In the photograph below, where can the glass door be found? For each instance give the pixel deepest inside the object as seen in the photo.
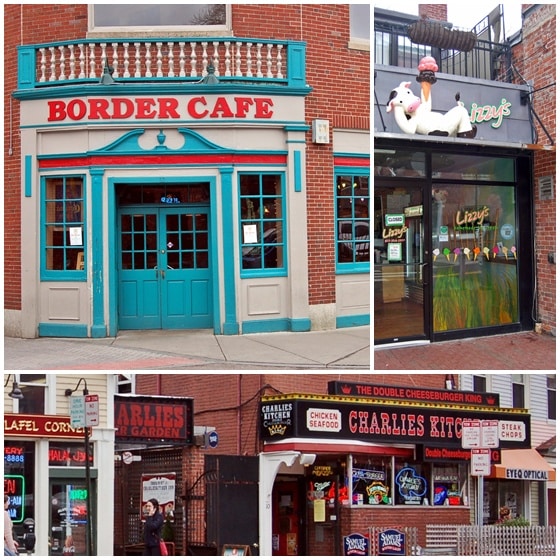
(400, 270)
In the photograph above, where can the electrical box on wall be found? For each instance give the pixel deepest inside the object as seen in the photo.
(320, 131)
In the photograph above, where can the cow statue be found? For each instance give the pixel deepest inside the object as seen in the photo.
(414, 115)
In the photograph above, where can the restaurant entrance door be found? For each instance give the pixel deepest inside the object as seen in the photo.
(401, 265)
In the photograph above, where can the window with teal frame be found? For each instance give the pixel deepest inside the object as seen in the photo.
(262, 233)
(352, 220)
(63, 228)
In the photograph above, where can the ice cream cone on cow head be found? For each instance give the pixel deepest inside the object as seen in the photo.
(426, 77)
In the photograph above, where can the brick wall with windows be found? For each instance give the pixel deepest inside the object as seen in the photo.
(535, 59)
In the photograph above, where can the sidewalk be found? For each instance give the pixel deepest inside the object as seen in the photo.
(138, 350)
(518, 351)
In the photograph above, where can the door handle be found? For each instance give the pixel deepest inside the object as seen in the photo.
(422, 274)
(162, 274)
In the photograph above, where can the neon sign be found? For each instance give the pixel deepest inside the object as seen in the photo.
(485, 113)
(411, 486)
(14, 486)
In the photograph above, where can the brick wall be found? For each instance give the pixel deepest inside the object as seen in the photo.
(433, 11)
(535, 59)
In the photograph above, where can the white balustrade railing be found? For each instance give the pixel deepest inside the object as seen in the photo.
(161, 60)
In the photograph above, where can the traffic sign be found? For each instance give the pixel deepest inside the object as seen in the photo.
(480, 462)
(77, 411)
(471, 434)
(490, 436)
(92, 410)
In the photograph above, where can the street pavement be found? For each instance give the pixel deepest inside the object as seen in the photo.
(518, 351)
(347, 348)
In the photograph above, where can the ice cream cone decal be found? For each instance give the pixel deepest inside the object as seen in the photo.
(505, 252)
(495, 250)
(436, 253)
(467, 252)
(514, 251)
(446, 252)
(486, 251)
(476, 251)
(457, 252)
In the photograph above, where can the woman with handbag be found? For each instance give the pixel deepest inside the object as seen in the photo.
(152, 529)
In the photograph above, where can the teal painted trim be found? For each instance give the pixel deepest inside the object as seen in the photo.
(62, 330)
(353, 268)
(358, 155)
(296, 65)
(28, 189)
(352, 321)
(178, 122)
(26, 67)
(266, 325)
(151, 89)
(300, 325)
(98, 328)
(214, 257)
(297, 128)
(112, 255)
(297, 171)
(61, 275)
(230, 326)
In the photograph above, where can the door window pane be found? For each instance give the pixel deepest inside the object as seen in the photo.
(474, 256)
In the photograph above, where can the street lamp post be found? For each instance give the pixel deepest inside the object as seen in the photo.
(89, 539)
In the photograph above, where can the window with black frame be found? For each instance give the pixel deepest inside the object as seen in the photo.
(352, 220)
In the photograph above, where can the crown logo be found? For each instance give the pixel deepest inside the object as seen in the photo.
(346, 389)
(490, 400)
(276, 429)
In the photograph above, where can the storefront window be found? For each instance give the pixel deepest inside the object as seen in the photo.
(262, 223)
(399, 163)
(449, 484)
(352, 213)
(474, 246)
(502, 493)
(19, 484)
(411, 484)
(371, 482)
(64, 228)
(33, 387)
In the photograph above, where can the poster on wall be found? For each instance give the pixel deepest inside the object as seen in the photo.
(162, 488)
(394, 252)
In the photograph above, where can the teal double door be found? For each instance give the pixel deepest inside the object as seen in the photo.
(164, 268)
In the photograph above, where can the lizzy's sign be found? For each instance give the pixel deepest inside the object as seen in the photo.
(154, 418)
(159, 108)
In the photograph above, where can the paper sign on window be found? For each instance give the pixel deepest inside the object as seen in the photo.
(250, 233)
(75, 236)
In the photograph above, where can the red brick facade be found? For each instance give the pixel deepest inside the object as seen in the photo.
(433, 11)
(535, 60)
(338, 75)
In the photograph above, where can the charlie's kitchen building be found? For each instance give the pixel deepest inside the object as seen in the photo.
(454, 208)
(174, 182)
(383, 456)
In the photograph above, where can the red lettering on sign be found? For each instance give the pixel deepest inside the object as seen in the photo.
(263, 108)
(168, 108)
(98, 109)
(222, 107)
(122, 108)
(192, 107)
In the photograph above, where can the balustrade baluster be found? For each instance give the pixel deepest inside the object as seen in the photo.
(170, 73)
(238, 59)
(182, 59)
(227, 59)
(82, 57)
(279, 62)
(115, 63)
(216, 58)
(43, 78)
(52, 77)
(159, 72)
(148, 60)
(204, 59)
(249, 73)
(126, 62)
(62, 64)
(259, 60)
(104, 59)
(193, 60)
(92, 60)
(72, 62)
(137, 63)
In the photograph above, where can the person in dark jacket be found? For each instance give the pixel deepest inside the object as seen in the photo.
(152, 528)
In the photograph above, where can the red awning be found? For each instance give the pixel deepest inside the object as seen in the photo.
(523, 464)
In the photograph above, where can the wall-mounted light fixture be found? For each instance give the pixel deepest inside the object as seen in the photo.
(450, 382)
(68, 392)
(15, 393)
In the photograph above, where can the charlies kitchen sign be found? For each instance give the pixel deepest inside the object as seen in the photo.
(313, 416)
(160, 108)
(162, 419)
